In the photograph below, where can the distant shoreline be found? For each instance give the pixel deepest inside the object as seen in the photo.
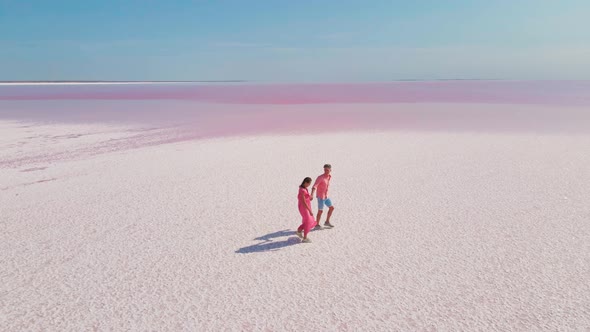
(108, 82)
(234, 81)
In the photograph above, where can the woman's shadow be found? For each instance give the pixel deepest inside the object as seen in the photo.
(268, 243)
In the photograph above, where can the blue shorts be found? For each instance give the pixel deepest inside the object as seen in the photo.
(321, 202)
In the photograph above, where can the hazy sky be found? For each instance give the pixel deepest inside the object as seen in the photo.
(294, 40)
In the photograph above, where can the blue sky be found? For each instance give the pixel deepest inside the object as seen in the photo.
(302, 41)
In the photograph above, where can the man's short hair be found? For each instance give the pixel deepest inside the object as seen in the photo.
(328, 166)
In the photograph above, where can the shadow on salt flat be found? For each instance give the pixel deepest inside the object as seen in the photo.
(270, 236)
(268, 244)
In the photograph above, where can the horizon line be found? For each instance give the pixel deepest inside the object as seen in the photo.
(97, 82)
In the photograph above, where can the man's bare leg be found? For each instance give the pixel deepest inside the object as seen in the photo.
(330, 210)
(317, 219)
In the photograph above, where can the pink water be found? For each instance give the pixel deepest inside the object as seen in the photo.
(199, 110)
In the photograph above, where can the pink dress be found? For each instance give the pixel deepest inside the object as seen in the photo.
(308, 221)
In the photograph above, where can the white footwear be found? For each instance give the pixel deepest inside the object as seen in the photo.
(306, 240)
(299, 234)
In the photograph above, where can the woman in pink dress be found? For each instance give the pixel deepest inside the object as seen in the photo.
(304, 204)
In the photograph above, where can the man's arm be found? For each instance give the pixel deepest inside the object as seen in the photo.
(315, 185)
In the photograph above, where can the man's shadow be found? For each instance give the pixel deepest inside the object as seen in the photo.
(268, 243)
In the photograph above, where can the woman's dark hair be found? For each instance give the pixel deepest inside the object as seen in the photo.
(306, 180)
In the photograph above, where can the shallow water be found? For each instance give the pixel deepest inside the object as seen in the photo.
(210, 110)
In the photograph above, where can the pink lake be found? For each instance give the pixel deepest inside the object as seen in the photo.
(197, 110)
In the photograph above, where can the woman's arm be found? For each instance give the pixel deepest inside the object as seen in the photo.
(301, 198)
(308, 207)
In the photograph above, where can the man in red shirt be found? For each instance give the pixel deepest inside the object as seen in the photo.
(322, 184)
